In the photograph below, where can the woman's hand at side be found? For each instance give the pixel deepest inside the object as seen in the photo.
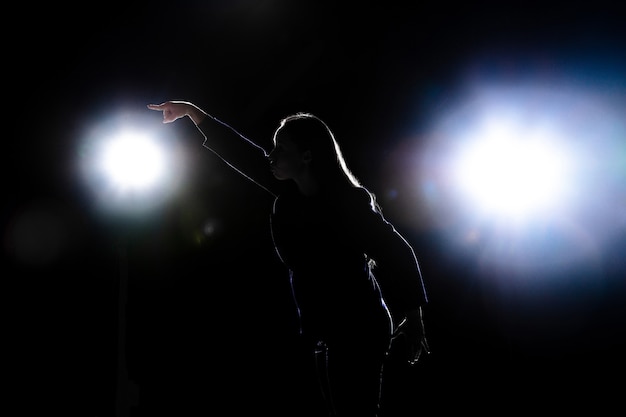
(412, 328)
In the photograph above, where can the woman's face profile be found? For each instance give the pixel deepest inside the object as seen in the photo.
(286, 160)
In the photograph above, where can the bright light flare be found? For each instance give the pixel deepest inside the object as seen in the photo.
(510, 171)
(531, 177)
(127, 166)
(133, 161)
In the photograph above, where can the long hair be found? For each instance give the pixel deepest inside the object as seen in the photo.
(309, 132)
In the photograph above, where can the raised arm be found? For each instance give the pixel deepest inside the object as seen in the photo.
(236, 150)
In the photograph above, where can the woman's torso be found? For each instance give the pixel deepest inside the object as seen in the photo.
(316, 238)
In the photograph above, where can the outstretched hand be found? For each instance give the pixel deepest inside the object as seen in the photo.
(171, 110)
(174, 110)
(412, 328)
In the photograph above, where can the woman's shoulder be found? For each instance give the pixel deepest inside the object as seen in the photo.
(351, 195)
(357, 194)
(355, 197)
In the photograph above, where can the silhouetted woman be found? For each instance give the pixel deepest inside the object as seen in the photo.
(334, 241)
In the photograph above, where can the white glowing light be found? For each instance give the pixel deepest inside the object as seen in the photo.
(129, 168)
(528, 175)
(133, 161)
(510, 170)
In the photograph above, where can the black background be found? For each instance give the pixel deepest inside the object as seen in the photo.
(210, 324)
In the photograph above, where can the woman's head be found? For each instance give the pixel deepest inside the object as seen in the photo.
(304, 142)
